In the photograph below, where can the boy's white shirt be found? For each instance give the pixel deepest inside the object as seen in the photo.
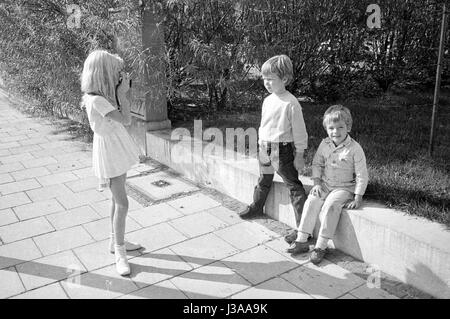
(282, 121)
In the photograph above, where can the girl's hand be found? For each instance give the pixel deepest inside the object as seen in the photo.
(356, 203)
(316, 191)
(124, 85)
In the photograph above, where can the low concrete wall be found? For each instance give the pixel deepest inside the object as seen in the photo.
(412, 249)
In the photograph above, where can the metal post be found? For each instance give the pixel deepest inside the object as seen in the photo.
(438, 78)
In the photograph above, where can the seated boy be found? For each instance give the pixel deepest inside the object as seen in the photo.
(340, 180)
(282, 137)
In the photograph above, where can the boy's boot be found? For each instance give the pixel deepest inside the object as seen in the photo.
(259, 197)
(129, 246)
(122, 265)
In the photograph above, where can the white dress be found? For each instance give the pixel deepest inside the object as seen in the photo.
(114, 151)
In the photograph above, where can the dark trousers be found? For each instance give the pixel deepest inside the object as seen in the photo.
(278, 157)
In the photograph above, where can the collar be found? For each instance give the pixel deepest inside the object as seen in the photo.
(345, 143)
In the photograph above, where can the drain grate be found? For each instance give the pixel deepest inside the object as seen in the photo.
(161, 183)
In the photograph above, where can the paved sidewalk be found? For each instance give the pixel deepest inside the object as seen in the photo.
(54, 229)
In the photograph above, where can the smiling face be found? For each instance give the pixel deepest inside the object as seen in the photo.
(337, 131)
(274, 84)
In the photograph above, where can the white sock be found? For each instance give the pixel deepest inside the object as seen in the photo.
(322, 242)
(302, 237)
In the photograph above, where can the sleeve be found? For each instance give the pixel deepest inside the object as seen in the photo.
(361, 173)
(318, 163)
(102, 106)
(298, 128)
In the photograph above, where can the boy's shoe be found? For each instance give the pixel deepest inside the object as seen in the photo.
(298, 248)
(250, 212)
(291, 237)
(317, 255)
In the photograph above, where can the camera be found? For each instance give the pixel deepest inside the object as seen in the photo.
(120, 82)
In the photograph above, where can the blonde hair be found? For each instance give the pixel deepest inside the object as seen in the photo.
(336, 113)
(101, 74)
(280, 65)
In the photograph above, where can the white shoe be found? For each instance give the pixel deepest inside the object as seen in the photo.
(129, 246)
(122, 265)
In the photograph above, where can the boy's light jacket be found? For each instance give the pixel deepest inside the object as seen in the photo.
(343, 166)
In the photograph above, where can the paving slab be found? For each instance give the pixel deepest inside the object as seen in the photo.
(246, 235)
(17, 187)
(84, 172)
(81, 199)
(43, 271)
(6, 178)
(5, 152)
(204, 250)
(53, 291)
(13, 138)
(194, 203)
(211, 281)
(39, 162)
(25, 149)
(366, 292)
(160, 290)
(12, 167)
(38, 209)
(155, 214)
(347, 296)
(58, 178)
(7, 217)
(83, 184)
(157, 266)
(259, 264)
(225, 214)
(18, 252)
(25, 229)
(30, 173)
(11, 284)
(97, 255)
(101, 229)
(73, 217)
(34, 139)
(198, 224)
(173, 185)
(67, 166)
(9, 145)
(324, 281)
(276, 288)
(63, 240)
(104, 283)
(156, 237)
(48, 192)
(16, 158)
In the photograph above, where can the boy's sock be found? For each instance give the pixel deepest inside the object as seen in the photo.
(302, 237)
(322, 243)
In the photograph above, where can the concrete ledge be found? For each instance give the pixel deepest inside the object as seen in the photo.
(414, 250)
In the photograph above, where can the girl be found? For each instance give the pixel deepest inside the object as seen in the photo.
(105, 86)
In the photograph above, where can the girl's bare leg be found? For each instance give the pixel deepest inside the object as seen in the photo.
(121, 208)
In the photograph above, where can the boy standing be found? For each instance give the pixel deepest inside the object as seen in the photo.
(282, 137)
(340, 180)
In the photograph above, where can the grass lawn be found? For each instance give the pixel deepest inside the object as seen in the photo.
(394, 133)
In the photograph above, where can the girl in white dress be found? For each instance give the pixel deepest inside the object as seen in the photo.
(105, 86)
